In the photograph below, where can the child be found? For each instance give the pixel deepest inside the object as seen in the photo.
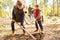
(30, 13)
(17, 15)
(38, 18)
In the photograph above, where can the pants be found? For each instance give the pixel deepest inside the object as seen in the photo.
(12, 25)
(31, 16)
(40, 24)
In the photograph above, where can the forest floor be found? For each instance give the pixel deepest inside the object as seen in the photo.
(51, 30)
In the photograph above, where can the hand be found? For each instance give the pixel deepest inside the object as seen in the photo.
(25, 11)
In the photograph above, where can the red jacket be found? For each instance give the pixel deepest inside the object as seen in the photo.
(36, 12)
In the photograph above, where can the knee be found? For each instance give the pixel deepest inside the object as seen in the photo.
(12, 23)
(22, 24)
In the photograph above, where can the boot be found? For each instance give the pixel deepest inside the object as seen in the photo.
(13, 33)
(23, 32)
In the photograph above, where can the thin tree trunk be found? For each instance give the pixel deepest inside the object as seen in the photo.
(53, 6)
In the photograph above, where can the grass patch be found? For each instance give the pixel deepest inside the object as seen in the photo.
(1, 26)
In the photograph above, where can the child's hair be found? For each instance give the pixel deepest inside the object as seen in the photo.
(37, 6)
(19, 3)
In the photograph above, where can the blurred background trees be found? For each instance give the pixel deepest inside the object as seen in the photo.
(48, 7)
(5, 7)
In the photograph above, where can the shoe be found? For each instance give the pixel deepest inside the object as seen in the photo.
(42, 32)
(27, 23)
(12, 34)
(23, 32)
(36, 30)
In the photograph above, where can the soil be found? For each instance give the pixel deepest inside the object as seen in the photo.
(24, 37)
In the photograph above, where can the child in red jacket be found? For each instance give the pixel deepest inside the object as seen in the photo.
(38, 18)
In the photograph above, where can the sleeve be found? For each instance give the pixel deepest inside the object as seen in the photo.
(42, 19)
(13, 15)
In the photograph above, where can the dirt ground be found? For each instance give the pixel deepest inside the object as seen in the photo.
(51, 32)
